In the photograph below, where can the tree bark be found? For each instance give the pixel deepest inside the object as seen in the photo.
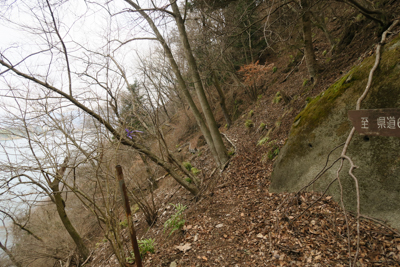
(60, 204)
(308, 45)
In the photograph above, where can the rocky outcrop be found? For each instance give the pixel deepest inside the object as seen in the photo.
(323, 125)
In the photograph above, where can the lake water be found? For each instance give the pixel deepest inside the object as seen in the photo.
(16, 155)
(11, 151)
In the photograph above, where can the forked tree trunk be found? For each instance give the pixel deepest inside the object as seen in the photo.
(60, 204)
(222, 100)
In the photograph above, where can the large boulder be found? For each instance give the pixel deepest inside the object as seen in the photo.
(323, 125)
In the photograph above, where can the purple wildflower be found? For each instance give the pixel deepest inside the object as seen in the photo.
(130, 133)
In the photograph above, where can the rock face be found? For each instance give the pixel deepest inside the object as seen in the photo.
(324, 125)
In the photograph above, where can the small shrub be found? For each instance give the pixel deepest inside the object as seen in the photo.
(231, 152)
(195, 171)
(176, 221)
(124, 223)
(187, 165)
(324, 53)
(255, 77)
(277, 98)
(305, 82)
(263, 141)
(187, 179)
(251, 113)
(262, 126)
(273, 152)
(274, 69)
(249, 124)
(236, 113)
(145, 246)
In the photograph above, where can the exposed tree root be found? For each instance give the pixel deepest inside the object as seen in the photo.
(343, 157)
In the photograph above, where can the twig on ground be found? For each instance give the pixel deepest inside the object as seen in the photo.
(380, 223)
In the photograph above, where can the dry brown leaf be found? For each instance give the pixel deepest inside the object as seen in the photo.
(184, 248)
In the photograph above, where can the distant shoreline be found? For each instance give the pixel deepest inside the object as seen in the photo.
(8, 138)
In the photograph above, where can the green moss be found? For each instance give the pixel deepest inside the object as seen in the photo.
(355, 80)
(274, 69)
(251, 113)
(321, 105)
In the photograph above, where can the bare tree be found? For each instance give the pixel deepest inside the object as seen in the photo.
(209, 130)
(97, 72)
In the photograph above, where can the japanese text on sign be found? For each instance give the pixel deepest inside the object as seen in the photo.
(384, 122)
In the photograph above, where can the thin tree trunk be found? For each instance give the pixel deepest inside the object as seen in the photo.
(222, 100)
(152, 180)
(10, 255)
(82, 249)
(320, 23)
(212, 124)
(182, 85)
(308, 45)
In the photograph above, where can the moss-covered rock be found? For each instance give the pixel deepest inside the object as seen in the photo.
(323, 125)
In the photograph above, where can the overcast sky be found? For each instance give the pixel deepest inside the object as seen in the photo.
(83, 27)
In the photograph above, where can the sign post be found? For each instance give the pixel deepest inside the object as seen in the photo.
(381, 122)
(127, 207)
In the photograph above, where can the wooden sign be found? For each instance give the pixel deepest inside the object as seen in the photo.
(383, 122)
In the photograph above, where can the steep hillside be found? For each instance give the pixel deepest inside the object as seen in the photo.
(238, 221)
